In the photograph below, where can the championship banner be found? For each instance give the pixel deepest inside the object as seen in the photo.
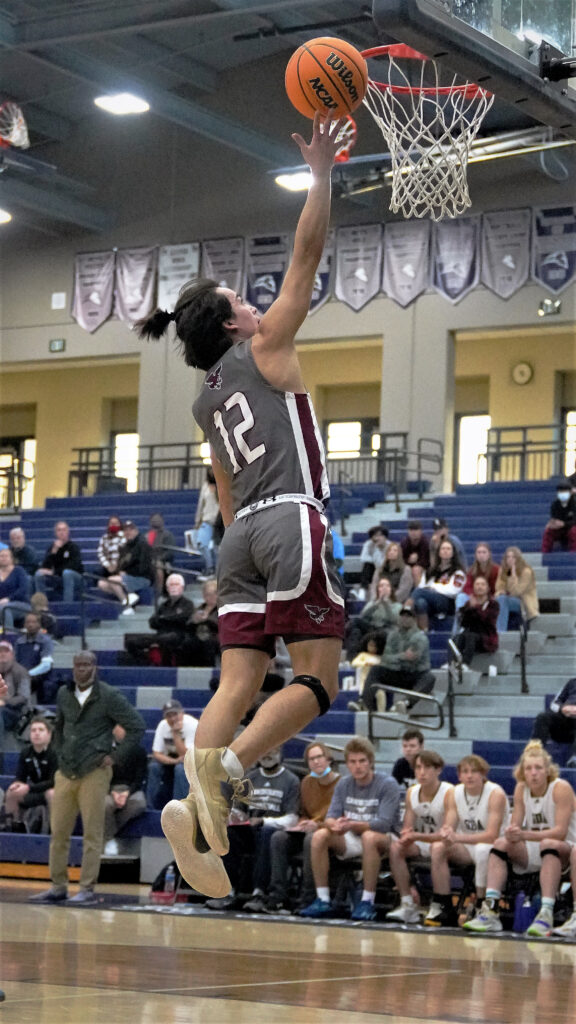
(455, 249)
(135, 283)
(554, 247)
(358, 264)
(177, 264)
(267, 259)
(321, 290)
(406, 260)
(93, 288)
(506, 250)
(223, 261)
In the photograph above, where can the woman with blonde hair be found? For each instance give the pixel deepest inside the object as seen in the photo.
(515, 589)
(396, 571)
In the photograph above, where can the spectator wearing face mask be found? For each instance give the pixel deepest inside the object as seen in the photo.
(561, 527)
(109, 548)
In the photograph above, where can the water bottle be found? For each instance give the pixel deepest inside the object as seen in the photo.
(170, 880)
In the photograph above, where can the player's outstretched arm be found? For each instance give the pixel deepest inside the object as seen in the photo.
(280, 324)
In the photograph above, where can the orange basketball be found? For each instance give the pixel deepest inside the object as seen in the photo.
(328, 75)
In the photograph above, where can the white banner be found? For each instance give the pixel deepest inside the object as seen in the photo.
(321, 290)
(358, 264)
(267, 260)
(223, 261)
(93, 288)
(406, 260)
(135, 283)
(455, 245)
(554, 247)
(506, 250)
(177, 265)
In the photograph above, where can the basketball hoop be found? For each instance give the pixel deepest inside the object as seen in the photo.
(13, 130)
(429, 129)
(346, 138)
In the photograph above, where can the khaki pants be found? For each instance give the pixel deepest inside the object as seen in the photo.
(87, 796)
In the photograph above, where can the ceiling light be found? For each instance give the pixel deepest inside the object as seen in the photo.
(550, 307)
(5, 217)
(122, 103)
(297, 181)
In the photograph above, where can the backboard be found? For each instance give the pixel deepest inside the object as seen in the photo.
(521, 50)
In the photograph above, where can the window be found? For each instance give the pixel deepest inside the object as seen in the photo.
(570, 451)
(346, 439)
(126, 458)
(472, 443)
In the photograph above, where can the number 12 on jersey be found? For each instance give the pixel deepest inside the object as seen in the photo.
(243, 450)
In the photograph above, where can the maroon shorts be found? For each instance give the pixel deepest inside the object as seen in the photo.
(277, 577)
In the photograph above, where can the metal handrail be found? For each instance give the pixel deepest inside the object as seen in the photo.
(397, 691)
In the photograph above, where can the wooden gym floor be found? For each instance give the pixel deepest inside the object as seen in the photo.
(66, 966)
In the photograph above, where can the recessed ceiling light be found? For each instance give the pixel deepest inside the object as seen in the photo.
(122, 103)
(5, 217)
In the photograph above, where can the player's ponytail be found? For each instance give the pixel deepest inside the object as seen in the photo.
(154, 326)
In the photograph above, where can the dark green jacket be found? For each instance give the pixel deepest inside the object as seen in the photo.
(83, 734)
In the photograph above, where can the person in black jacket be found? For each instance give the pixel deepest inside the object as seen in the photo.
(558, 723)
(62, 569)
(561, 527)
(126, 799)
(34, 782)
(88, 711)
(171, 622)
(135, 569)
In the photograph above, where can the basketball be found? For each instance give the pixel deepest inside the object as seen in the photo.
(328, 75)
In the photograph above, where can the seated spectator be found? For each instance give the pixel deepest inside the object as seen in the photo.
(394, 570)
(24, 554)
(515, 589)
(561, 526)
(338, 550)
(372, 555)
(443, 532)
(33, 787)
(109, 547)
(162, 542)
(478, 634)
(403, 769)
(416, 551)
(173, 737)
(405, 663)
(363, 813)
(558, 723)
(61, 572)
(135, 569)
(170, 621)
(200, 646)
(477, 814)
(376, 617)
(427, 804)
(14, 591)
(274, 804)
(48, 621)
(568, 929)
(207, 512)
(316, 791)
(126, 799)
(16, 698)
(540, 836)
(442, 584)
(34, 649)
(372, 649)
(481, 566)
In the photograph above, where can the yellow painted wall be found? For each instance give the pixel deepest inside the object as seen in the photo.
(72, 411)
(471, 395)
(343, 376)
(550, 354)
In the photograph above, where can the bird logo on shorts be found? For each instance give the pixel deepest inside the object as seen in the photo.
(214, 379)
(316, 614)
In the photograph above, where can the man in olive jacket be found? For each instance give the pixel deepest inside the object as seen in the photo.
(87, 711)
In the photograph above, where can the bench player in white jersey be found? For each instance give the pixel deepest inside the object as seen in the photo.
(276, 573)
(540, 837)
(427, 804)
(478, 813)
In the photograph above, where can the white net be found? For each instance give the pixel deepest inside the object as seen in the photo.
(428, 128)
(13, 126)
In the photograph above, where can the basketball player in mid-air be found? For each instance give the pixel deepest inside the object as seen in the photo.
(276, 573)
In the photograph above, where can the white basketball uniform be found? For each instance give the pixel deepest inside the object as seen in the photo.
(473, 817)
(428, 815)
(540, 814)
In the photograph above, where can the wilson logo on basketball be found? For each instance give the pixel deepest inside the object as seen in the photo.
(345, 74)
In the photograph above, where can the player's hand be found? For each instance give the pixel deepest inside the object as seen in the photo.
(320, 152)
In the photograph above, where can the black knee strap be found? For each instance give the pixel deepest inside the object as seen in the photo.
(501, 854)
(314, 684)
(550, 853)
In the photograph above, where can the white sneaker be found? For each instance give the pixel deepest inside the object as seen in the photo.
(399, 708)
(406, 913)
(568, 929)
(485, 920)
(127, 611)
(542, 924)
(132, 599)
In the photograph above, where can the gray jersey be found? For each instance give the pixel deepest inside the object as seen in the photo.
(267, 440)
